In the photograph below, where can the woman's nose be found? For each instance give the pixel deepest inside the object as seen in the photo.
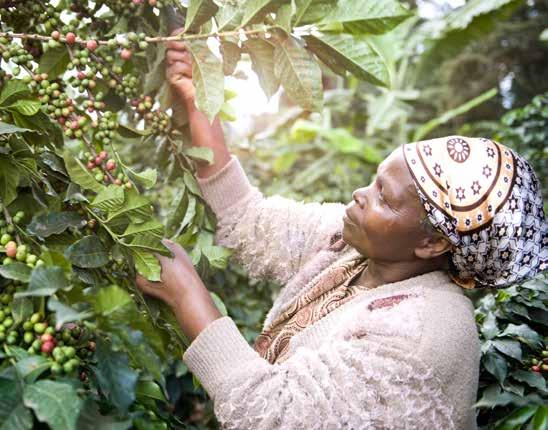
(359, 197)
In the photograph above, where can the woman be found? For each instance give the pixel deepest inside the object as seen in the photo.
(383, 341)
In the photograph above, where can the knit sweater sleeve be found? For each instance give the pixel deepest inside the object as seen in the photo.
(272, 237)
(354, 382)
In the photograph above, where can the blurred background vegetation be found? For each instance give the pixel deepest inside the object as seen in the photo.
(476, 68)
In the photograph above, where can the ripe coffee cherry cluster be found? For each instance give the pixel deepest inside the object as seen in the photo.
(16, 54)
(99, 166)
(540, 364)
(142, 105)
(12, 251)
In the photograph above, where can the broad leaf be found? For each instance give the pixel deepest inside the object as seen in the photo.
(151, 390)
(510, 348)
(262, 61)
(25, 107)
(31, 368)
(147, 264)
(9, 179)
(45, 225)
(533, 379)
(21, 309)
(45, 281)
(255, 10)
(117, 380)
(312, 11)
(10, 128)
(153, 227)
(146, 178)
(54, 62)
(13, 413)
(91, 419)
(80, 175)
(524, 334)
(351, 53)
(299, 74)
(231, 55)
(367, 16)
(136, 207)
(495, 365)
(229, 17)
(88, 252)
(54, 403)
(112, 301)
(199, 153)
(216, 255)
(11, 90)
(208, 78)
(16, 271)
(65, 314)
(199, 11)
(109, 199)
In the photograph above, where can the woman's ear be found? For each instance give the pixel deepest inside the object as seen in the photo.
(431, 247)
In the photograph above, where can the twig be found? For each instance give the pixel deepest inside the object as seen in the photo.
(157, 39)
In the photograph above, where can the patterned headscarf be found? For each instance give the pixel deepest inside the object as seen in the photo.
(486, 200)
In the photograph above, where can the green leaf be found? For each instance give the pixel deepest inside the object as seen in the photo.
(217, 255)
(199, 153)
(153, 227)
(12, 89)
(262, 62)
(540, 420)
(533, 379)
(367, 16)
(65, 314)
(9, 179)
(219, 303)
(147, 264)
(13, 413)
(495, 365)
(147, 178)
(511, 348)
(31, 368)
(54, 62)
(45, 281)
(25, 107)
(516, 419)
(10, 128)
(198, 12)
(54, 403)
(524, 334)
(136, 207)
(80, 175)
(285, 15)
(112, 300)
(16, 271)
(228, 17)
(255, 10)
(91, 419)
(231, 55)
(299, 74)
(21, 309)
(116, 379)
(312, 11)
(191, 183)
(208, 78)
(150, 389)
(492, 396)
(45, 225)
(109, 199)
(351, 53)
(125, 130)
(88, 252)
(489, 327)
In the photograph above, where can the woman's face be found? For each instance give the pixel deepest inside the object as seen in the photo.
(383, 221)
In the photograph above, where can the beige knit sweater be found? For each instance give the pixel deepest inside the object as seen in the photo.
(374, 362)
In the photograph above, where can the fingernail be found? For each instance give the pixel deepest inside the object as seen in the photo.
(168, 241)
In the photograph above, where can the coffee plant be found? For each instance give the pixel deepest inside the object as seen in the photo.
(90, 139)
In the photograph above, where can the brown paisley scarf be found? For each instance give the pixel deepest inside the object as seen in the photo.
(328, 293)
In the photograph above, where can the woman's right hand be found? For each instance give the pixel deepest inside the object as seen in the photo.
(179, 70)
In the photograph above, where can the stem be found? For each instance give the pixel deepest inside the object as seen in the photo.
(157, 39)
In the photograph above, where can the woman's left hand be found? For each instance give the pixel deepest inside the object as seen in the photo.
(182, 289)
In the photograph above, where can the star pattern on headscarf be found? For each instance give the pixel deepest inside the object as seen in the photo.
(476, 187)
(460, 193)
(487, 171)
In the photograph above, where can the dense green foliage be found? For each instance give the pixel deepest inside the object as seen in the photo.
(96, 167)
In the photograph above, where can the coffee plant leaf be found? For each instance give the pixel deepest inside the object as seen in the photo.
(262, 62)
(208, 78)
(345, 52)
(9, 180)
(511, 348)
(229, 16)
(109, 199)
(64, 314)
(112, 301)
(231, 55)
(31, 368)
(150, 389)
(117, 380)
(533, 379)
(216, 255)
(25, 107)
(44, 225)
(191, 183)
(21, 309)
(255, 10)
(152, 227)
(49, 400)
(16, 271)
(87, 252)
(13, 413)
(198, 12)
(11, 129)
(299, 74)
(200, 154)
(45, 281)
(496, 365)
(80, 175)
(147, 178)
(136, 206)
(367, 16)
(311, 11)
(146, 264)
(91, 418)
(523, 333)
(12, 90)
(54, 62)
